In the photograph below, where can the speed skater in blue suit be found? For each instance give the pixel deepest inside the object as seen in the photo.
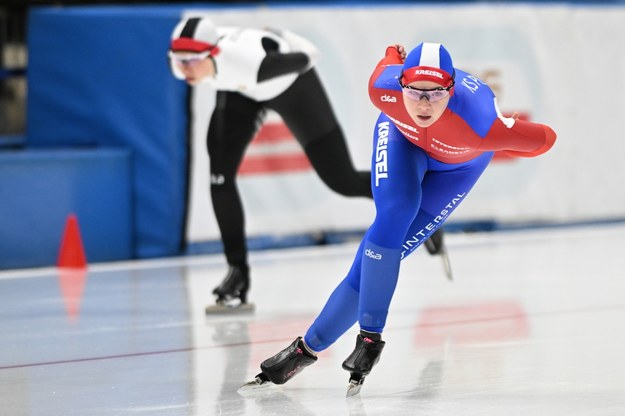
(437, 131)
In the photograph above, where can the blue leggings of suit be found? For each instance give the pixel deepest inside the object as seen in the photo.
(414, 194)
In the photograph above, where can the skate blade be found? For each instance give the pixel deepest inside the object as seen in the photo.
(220, 309)
(254, 387)
(447, 265)
(353, 388)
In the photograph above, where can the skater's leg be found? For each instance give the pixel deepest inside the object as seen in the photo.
(339, 313)
(307, 111)
(232, 127)
(342, 308)
(330, 158)
(444, 188)
(337, 316)
(398, 195)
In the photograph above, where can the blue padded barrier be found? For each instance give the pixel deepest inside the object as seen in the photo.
(40, 188)
(100, 76)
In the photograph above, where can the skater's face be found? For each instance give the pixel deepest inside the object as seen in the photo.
(194, 66)
(425, 101)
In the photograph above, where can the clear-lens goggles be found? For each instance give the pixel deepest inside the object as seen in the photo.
(432, 95)
(188, 58)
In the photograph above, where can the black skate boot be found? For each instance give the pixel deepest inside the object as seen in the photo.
(287, 363)
(366, 354)
(234, 286)
(281, 367)
(435, 245)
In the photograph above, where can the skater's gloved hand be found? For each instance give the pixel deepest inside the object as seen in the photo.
(396, 53)
(401, 50)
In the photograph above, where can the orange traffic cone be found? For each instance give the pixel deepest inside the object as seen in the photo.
(72, 253)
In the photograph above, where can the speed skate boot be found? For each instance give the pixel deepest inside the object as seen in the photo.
(234, 287)
(281, 367)
(287, 363)
(435, 244)
(366, 354)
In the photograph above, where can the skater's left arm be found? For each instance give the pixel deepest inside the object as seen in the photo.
(518, 137)
(394, 55)
(521, 138)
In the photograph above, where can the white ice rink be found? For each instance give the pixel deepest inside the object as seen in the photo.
(533, 325)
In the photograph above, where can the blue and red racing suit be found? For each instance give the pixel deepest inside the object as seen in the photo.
(419, 177)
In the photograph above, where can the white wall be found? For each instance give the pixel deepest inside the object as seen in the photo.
(561, 64)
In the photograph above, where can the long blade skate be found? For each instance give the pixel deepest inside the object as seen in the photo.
(259, 384)
(355, 384)
(435, 245)
(447, 264)
(229, 308)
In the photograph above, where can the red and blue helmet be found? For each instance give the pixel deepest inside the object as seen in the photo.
(428, 62)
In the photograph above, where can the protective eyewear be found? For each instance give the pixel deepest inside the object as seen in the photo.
(186, 58)
(432, 95)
